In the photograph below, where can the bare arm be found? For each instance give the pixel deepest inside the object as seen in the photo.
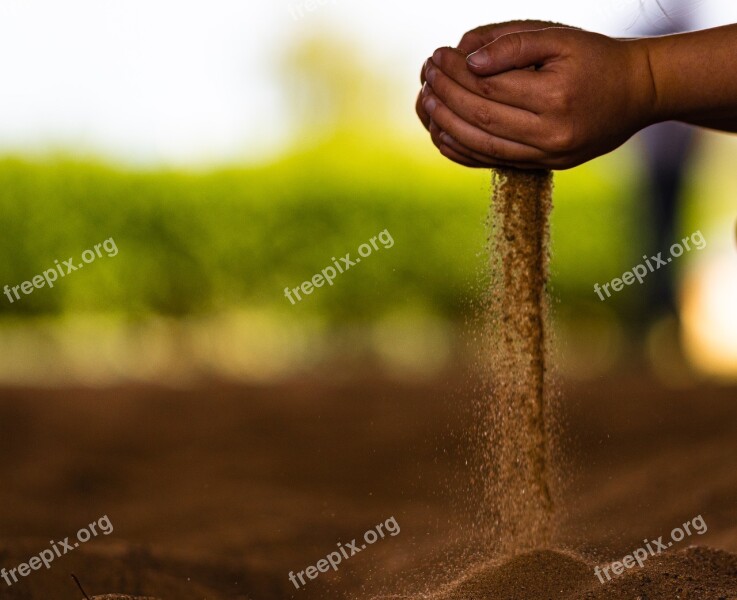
(695, 77)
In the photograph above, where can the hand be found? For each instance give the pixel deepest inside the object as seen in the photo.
(476, 39)
(585, 95)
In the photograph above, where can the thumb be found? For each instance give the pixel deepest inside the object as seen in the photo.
(515, 51)
(476, 38)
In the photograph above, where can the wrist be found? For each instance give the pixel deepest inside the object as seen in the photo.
(645, 84)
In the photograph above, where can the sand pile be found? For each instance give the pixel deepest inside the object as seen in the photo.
(514, 407)
(532, 576)
(695, 574)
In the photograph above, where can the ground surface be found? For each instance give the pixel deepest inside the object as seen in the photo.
(220, 492)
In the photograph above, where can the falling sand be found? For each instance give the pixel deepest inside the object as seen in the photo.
(515, 415)
(517, 513)
(518, 425)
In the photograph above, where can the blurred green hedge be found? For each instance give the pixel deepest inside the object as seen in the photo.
(199, 242)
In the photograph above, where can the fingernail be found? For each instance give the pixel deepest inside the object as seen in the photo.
(478, 59)
(437, 56)
(425, 89)
(430, 73)
(446, 139)
(430, 104)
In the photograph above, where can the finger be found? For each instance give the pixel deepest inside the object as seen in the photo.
(421, 112)
(479, 37)
(441, 138)
(451, 153)
(471, 158)
(516, 51)
(422, 71)
(492, 146)
(453, 144)
(514, 88)
(461, 160)
(493, 117)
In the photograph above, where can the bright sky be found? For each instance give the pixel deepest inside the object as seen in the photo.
(185, 81)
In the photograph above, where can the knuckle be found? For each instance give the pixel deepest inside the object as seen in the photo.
(513, 44)
(554, 97)
(560, 97)
(562, 139)
(487, 86)
(483, 116)
(491, 147)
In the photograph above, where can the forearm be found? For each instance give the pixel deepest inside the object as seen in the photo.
(695, 77)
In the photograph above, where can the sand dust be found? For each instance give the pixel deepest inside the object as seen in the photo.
(514, 407)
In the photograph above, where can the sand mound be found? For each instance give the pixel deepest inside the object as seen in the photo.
(530, 576)
(695, 573)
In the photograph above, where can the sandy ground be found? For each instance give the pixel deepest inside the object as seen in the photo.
(220, 492)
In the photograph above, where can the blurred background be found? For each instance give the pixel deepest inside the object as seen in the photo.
(232, 148)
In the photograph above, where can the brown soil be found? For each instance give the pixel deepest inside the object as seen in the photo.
(219, 492)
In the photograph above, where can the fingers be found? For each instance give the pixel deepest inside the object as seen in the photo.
(479, 37)
(462, 158)
(420, 109)
(443, 139)
(516, 51)
(489, 99)
(493, 147)
(513, 88)
(493, 117)
(459, 153)
(439, 139)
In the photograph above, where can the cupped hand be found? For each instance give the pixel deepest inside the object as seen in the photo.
(477, 38)
(551, 98)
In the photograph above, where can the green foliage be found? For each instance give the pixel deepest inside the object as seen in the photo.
(193, 243)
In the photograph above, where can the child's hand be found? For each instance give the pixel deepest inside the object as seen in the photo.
(585, 95)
